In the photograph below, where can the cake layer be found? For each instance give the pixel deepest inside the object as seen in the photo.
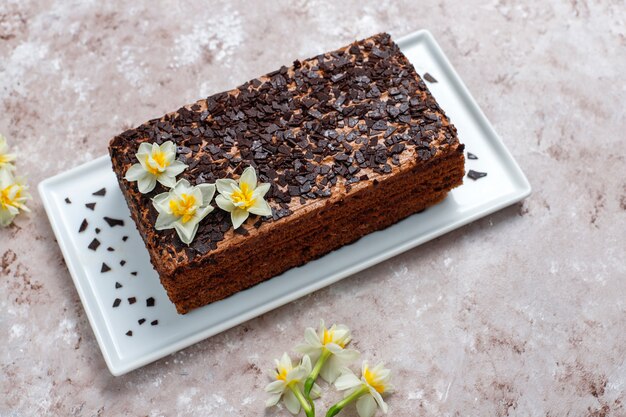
(336, 136)
(337, 223)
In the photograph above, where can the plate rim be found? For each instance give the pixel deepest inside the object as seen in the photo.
(118, 366)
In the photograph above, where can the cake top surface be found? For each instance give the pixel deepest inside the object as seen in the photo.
(321, 126)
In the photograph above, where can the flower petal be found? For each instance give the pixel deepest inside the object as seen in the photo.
(165, 221)
(291, 402)
(182, 187)
(135, 172)
(186, 232)
(208, 191)
(166, 180)
(346, 381)
(379, 400)
(366, 406)
(248, 177)
(273, 400)
(6, 217)
(260, 208)
(276, 387)
(161, 203)
(331, 369)
(175, 168)
(313, 352)
(238, 216)
(144, 150)
(311, 337)
(225, 186)
(146, 184)
(261, 190)
(224, 203)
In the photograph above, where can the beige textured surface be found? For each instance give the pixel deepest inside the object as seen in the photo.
(521, 313)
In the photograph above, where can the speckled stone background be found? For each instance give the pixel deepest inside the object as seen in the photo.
(522, 313)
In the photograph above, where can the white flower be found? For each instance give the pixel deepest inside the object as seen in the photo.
(243, 197)
(287, 380)
(183, 207)
(330, 343)
(6, 158)
(13, 197)
(373, 383)
(156, 163)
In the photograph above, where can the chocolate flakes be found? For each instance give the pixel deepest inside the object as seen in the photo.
(306, 130)
(118, 285)
(475, 175)
(113, 222)
(154, 322)
(67, 200)
(132, 300)
(429, 78)
(94, 245)
(129, 333)
(150, 302)
(101, 192)
(105, 268)
(116, 303)
(83, 226)
(471, 156)
(91, 206)
(141, 321)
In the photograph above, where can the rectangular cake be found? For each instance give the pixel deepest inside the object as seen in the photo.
(350, 142)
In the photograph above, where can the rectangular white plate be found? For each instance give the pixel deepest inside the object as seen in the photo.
(505, 184)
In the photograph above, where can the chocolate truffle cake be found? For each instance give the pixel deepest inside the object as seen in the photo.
(350, 142)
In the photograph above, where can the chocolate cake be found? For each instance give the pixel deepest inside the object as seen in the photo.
(351, 142)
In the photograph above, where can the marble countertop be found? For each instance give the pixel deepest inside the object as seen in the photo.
(521, 313)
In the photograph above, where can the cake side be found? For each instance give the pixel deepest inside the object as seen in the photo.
(320, 132)
(336, 223)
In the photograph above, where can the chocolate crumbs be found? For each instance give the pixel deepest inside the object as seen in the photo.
(101, 192)
(471, 156)
(150, 302)
(83, 226)
(113, 222)
(94, 245)
(118, 285)
(110, 249)
(475, 175)
(129, 333)
(91, 206)
(429, 78)
(67, 200)
(132, 300)
(105, 268)
(117, 302)
(154, 322)
(141, 321)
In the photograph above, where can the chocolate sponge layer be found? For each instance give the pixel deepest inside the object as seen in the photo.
(352, 141)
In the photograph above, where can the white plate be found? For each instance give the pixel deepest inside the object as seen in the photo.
(505, 184)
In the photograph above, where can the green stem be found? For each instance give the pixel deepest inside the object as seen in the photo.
(307, 405)
(335, 409)
(308, 384)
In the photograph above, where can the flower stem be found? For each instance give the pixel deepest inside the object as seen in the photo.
(308, 384)
(335, 409)
(306, 404)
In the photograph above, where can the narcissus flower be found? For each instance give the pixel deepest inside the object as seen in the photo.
(156, 163)
(240, 198)
(367, 391)
(183, 207)
(13, 197)
(327, 346)
(286, 383)
(6, 158)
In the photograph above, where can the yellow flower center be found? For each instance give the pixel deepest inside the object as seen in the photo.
(5, 197)
(281, 374)
(329, 337)
(185, 207)
(372, 380)
(3, 159)
(242, 197)
(160, 162)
